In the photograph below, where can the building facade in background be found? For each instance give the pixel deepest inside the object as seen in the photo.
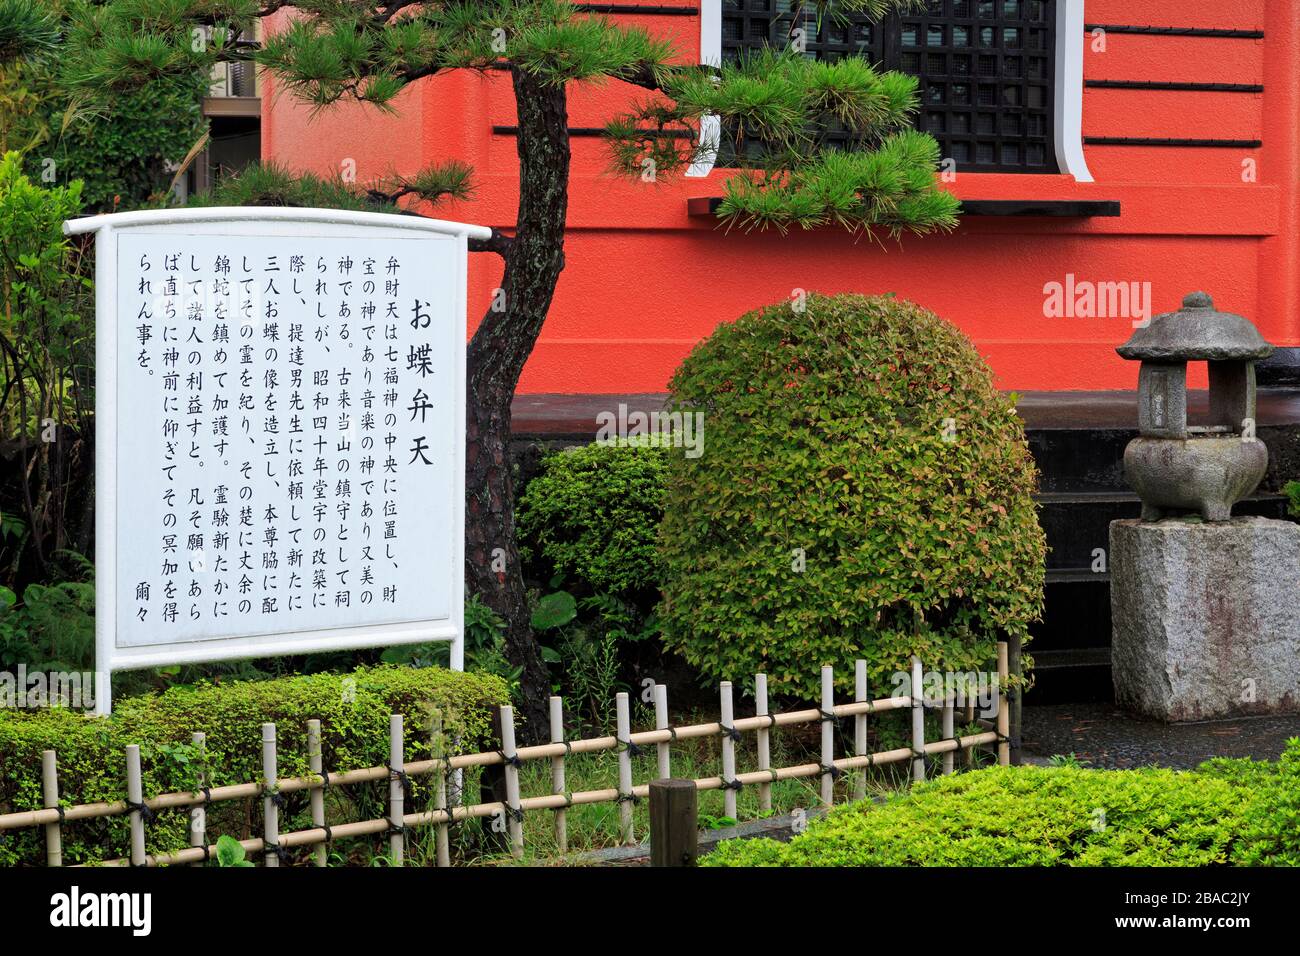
(1112, 156)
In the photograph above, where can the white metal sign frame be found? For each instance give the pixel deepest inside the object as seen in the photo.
(259, 222)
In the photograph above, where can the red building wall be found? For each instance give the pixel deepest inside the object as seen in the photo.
(645, 280)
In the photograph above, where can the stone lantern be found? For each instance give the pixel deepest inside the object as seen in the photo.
(1178, 467)
(1205, 614)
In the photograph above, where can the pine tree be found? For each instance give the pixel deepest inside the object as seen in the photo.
(777, 104)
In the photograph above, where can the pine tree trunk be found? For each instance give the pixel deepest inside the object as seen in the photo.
(497, 354)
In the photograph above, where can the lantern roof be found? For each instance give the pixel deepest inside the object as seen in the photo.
(1197, 332)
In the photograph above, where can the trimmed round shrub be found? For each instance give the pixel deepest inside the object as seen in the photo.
(863, 492)
(593, 514)
(1045, 816)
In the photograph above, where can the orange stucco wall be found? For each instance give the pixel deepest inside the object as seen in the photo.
(645, 281)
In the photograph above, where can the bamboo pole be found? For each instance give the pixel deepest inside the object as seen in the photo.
(440, 749)
(918, 723)
(623, 725)
(396, 790)
(828, 735)
(860, 726)
(242, 791)
(270, 809)
(664, 748)
(763, 741)
(199, 814)
(50, 791)
(1004, 746)
(557, 774)
(316, 763)
(947, 730)
(514, 812)
(135, 797)
(970, 719)
(728, 716)
(551, 801)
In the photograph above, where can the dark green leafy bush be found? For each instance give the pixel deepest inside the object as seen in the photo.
(593, 513)
(353, 710)
(864, 491)
(1241, 812)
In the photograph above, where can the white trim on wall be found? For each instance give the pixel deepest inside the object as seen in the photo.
(1068, 63)
(710, 55)
(1069, 90)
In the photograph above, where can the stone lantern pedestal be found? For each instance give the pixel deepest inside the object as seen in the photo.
(1205, 617)
(1205, 608)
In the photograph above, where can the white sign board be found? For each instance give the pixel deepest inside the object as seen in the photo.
(279, 433)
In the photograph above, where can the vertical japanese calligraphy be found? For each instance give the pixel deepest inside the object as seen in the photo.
(286, 433)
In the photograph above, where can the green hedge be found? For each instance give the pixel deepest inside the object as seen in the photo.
(353, 710)
(1232, 811)
(593, 514)
(864, 492)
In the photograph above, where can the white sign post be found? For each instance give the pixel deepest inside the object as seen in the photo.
(279, 434)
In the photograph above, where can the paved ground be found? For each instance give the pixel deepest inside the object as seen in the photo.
(1106, 737)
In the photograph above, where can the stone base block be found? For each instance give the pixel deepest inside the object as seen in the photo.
(1205, 617)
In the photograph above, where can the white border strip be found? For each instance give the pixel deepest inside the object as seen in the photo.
(155, 217)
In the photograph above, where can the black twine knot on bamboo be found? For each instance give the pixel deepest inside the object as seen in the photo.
(146, 814)
(733, 785)
(403, 778)
(628, 798)
(329, 833)
(515, 813)
(829, 769)
(324, 779)
(510, 761)
(63, 816)
(207, 796)
(280, 852)
(275, 796)
(826, 715)
(632, 749)
(395, 829)
(730, 732)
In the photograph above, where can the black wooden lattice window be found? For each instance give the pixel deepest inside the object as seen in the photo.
(985, 70)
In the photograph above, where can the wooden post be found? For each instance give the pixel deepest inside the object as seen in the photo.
(624, 731)
(396, 790)
(764, 741)
(828, 735)
(727, 714)
(918, 722)
(135, 796)
(199, 814)
(674, 825)
(1004, 748)
(947, 732)
(1015, 697)
(557, 774)
(50, 791)
(860, 727)
(270, 811)
(661, 723)
(515, 823)
(441, 752)
(492, 789)
(316, 763)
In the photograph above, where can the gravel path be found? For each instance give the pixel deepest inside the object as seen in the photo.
(1106, 737)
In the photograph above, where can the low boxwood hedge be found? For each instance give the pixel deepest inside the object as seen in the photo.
(353, 710)
(1226, 812)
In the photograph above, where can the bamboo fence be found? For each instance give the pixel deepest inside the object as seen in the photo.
(273, 845)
